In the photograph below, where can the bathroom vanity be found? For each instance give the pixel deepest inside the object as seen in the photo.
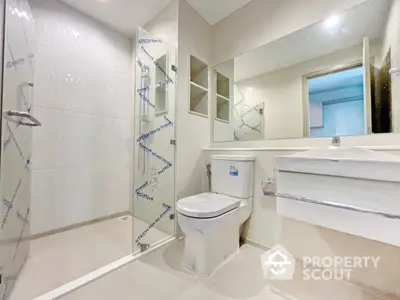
(347, 189)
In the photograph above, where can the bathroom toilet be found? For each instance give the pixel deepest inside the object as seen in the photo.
(211, 221)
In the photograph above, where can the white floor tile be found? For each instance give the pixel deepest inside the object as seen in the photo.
(153, 236)
(57, 259)
(119, 286)
(161, 277)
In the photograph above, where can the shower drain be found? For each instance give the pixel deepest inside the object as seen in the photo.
(125, 218)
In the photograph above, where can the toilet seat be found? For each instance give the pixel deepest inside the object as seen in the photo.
(207, 205)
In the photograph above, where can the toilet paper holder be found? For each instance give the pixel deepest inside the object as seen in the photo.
(269, 186)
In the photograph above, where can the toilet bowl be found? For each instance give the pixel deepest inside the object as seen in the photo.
(211, 221)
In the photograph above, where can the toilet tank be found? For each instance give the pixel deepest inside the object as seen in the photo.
(232, 175)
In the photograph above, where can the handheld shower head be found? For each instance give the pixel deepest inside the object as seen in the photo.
(140, 63)
(144, 69)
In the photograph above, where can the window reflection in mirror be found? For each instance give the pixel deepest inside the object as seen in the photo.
(336, 103)
(331, 78)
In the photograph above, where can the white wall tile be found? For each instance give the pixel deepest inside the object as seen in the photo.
(70, 140)
(83, 97)
(19, 73)
(66, 197)
(61, 27)
(67, 82)
(20, 22)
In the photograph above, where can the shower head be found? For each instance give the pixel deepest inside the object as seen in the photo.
(140, 63)
(144, 69)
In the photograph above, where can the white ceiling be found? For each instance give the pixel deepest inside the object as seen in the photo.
(367, 19)
(126, 15)
(216, 10)
(122, 15)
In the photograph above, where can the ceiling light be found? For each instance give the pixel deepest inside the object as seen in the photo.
(332, 22)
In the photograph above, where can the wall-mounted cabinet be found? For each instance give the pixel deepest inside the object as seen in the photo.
(198, 87)
(223, 109)
(223, 86)
(223, 97)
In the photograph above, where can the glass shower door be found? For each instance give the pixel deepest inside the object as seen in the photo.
(154, 194)
(16, 141)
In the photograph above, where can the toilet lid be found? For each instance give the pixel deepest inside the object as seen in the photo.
(207, 205)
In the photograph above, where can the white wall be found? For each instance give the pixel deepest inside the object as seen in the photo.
(260, 22)
(282, 91)
(83, 97)
(193, 132)
(223, 131)
(392, 40)
(165, 24)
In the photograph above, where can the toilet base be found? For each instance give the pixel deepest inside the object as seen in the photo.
(210, 245)
(189, 270)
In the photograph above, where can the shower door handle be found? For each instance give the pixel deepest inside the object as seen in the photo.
(22, 114)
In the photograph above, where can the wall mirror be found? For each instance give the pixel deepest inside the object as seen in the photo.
(334, 78)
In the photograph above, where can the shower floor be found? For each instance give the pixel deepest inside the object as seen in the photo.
(59, 258)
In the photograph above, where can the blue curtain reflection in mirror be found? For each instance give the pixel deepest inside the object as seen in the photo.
(336, 103)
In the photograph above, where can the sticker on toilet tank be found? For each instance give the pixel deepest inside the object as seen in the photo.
(233, 171)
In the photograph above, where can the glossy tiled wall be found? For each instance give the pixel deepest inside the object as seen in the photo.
(83, 96)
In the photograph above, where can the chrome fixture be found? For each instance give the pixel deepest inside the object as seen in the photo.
(208, 169)
(336, 141)
(145, 70)
(33, 121)
(144, 110)
(338, 205)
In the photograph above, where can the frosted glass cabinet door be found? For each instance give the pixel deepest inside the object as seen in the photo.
(16, 140)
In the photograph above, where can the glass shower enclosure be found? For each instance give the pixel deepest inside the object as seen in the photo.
(153, 163)
(17, 48)
(154, 140)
